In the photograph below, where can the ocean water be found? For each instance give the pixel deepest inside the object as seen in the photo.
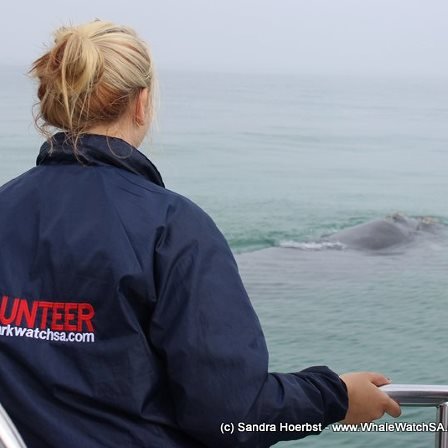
(279, 161)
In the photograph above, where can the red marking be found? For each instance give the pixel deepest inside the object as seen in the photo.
(57, 315)
(45, 306)
(65, 316)
(24, 312)
(8, 320)
(85, 317)
(70, 316)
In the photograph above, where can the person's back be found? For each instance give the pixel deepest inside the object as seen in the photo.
(77, 243)
(123, 320)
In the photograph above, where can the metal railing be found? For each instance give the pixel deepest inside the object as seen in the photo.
(424, 395)
(9, 436)
(421, 395)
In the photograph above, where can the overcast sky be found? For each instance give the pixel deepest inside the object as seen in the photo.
(293, 36)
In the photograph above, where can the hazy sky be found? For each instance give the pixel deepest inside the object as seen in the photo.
(299, 36)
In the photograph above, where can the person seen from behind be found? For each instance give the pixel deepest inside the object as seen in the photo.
(126, 323)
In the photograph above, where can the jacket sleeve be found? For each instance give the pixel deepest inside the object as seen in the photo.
(214, 350)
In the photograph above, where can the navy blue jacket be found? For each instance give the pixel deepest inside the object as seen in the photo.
(123, 319)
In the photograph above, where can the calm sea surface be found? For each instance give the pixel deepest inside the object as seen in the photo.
(279, 161)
